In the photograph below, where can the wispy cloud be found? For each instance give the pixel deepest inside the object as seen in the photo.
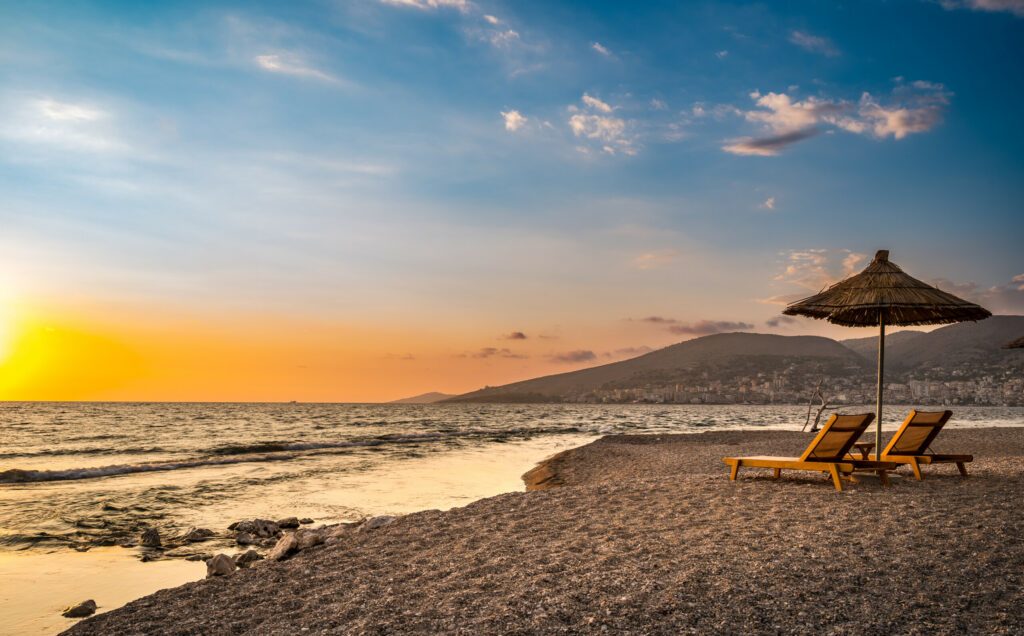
(708, 327)
(722, 54)
(579, 355)
(655, 259)
(1016, 7)
(515, 335)
(495, 352)
(602, 49)
(70, 126)
(911, 108)
(289, 64)
(814, 269)
(594, 122)
(514, 120)
(426, 5)
(768, 204)
(813, 43)
(780, 320)
(699, 328)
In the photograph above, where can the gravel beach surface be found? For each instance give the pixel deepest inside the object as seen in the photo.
(646, 535)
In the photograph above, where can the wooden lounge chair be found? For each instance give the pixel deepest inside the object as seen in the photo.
(910, 443)
(826, 454)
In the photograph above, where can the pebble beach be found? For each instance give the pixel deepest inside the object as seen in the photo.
(645, 534)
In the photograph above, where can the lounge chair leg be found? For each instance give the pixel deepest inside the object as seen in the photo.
(883, 476)
(734, 471)
(778, 472)
(834, 471)
(917, 469)
(962, 468)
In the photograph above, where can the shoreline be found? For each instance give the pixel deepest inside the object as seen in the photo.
(645, 533)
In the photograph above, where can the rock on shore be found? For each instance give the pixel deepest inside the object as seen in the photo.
(646, 535)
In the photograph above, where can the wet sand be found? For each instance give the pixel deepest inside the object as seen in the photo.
(645, 534)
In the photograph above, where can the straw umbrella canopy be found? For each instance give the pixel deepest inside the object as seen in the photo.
(1016, 344)
(882, 295)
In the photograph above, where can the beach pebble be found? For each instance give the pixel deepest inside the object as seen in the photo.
(308, 538)
(195, 535)
(305, 521)
(219, 565)
(83, 609)
(376, 522)
(150, 538)
(285, 547)
(244, 538)
(247, 558)
(262, 528)
(289, 522)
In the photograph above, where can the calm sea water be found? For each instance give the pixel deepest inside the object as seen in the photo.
(80, 475)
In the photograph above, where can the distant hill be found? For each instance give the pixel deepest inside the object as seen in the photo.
(679, 360)
(424, 398)
(868, 347)
(964, 344)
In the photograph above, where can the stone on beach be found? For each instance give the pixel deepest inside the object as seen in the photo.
(285, 547)
(289, 522)
(261, 528)
(151, 538)
(195, 535)
(306, 539)
(220, 565)
(305, 521)
(247, 558)
(83, 609)
(244, 538)
(376, 522)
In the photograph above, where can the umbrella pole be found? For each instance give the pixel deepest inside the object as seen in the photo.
(881, 373)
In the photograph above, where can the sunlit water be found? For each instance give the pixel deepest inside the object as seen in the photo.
(79, 476)
(85, 474)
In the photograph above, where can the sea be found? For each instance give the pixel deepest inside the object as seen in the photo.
(78, 475)
(86, 478)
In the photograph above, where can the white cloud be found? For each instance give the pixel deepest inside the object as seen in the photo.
(69, 126)
(490, 19)
(813, 43)
(768, 204)
(288, 64)
(502, 38)
(461, 5)
(62, 111)
(911, 108)
(1016, 7)
(655, 259)
(514, 120)
(596, 104)
(659, 104)
(722, 54)
(602, 49)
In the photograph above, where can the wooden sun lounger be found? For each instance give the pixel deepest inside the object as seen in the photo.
(910, 443)
(827, 453)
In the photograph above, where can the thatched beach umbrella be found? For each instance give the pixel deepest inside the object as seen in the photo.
(884, 295)
(1016, 344)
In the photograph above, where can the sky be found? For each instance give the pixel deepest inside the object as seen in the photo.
(364, 200)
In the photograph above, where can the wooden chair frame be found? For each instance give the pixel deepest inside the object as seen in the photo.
(835, 462)
(920, 455)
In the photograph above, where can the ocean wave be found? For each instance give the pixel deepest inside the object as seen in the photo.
(270, 451)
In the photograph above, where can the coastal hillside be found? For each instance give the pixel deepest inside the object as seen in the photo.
(956, 364)
(424, 398)
(868, 347)
(720, 353)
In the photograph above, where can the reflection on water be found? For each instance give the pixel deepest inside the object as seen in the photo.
(81, 475)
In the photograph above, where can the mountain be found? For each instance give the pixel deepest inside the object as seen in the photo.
(424, 398)
(963, 345)
(723, 354)
(868, 347)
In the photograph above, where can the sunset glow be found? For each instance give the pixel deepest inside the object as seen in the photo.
(365, 200)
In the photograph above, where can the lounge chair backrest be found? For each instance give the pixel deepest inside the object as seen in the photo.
(917, 432)
(837, 437)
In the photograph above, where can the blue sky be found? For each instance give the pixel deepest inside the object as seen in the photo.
(508, 165)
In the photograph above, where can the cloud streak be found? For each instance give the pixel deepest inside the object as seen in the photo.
(287, 64)
(813, 43)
